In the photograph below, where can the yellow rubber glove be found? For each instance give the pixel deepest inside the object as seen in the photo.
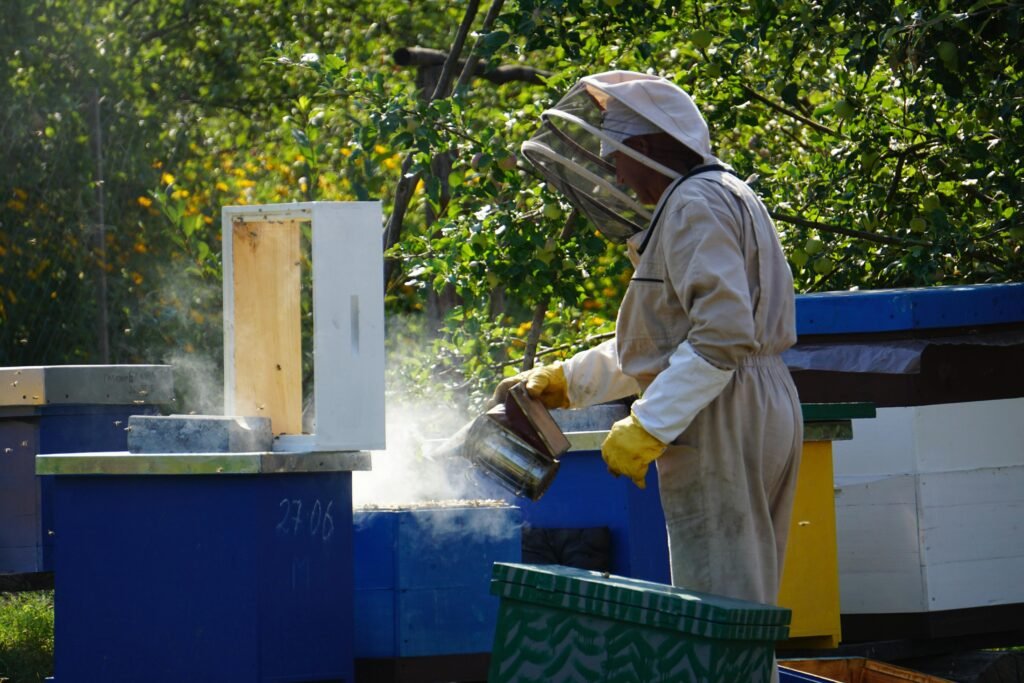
(629, 449)
(546, 383)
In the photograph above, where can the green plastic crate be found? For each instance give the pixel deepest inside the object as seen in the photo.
(564, 624)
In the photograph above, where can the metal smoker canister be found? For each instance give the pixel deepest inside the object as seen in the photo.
(517, 465)
(517, 444)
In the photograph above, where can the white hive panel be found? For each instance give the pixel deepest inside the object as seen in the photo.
(879, 551)
(882, 445)
(958, 436)
(973, 537)
(348, 301)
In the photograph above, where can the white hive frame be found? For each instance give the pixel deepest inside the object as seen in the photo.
(262, 338)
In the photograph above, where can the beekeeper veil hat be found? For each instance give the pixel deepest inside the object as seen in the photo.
(591, 121)
(621, 123)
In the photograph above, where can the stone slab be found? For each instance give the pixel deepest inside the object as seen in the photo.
(198, 434)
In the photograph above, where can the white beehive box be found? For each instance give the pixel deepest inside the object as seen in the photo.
(928, 508)
(262, 321)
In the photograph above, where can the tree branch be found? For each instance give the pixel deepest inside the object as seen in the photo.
(901, 161)
(423, 56)
(407, 183)
(555, 349)
(788, 112)
(453, 56)
(469, 65)
(536, 325)
(849, 232)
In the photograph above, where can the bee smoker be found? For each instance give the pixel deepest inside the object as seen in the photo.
(516, 443)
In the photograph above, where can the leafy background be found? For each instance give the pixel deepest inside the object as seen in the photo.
(884, 136)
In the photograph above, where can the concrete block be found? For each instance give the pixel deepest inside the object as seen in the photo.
(198, 434)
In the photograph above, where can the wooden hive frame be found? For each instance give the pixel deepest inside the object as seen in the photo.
(262, 322)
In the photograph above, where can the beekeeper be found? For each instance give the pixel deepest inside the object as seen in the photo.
(707, 313)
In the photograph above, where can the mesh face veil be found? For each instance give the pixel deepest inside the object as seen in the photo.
(577, 136)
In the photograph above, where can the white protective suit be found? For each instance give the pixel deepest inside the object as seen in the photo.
(708, 312)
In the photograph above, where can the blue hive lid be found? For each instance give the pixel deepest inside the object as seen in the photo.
(642, 602)
(892, 310)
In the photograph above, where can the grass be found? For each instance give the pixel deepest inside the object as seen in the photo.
(26, 636)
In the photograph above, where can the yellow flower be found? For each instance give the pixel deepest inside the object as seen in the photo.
(222, 186)
(167, 179)
(145, 202)
(20, 193)
(137, 278)
(380, 149)
(197, 316)
(15, 205)
(140, 248)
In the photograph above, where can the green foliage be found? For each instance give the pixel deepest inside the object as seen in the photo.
(912, 183)
(885, 137)
(861, 122)
(26, 636)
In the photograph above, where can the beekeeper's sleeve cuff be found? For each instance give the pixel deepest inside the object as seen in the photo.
(678, 393)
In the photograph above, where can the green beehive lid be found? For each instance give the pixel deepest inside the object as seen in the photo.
(641, 602)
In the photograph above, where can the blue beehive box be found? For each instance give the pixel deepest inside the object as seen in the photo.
(60, 409)
(585, 496)
(207, 576)
(910, 347)
(904, 310)
(565, 624)
(422, 576)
